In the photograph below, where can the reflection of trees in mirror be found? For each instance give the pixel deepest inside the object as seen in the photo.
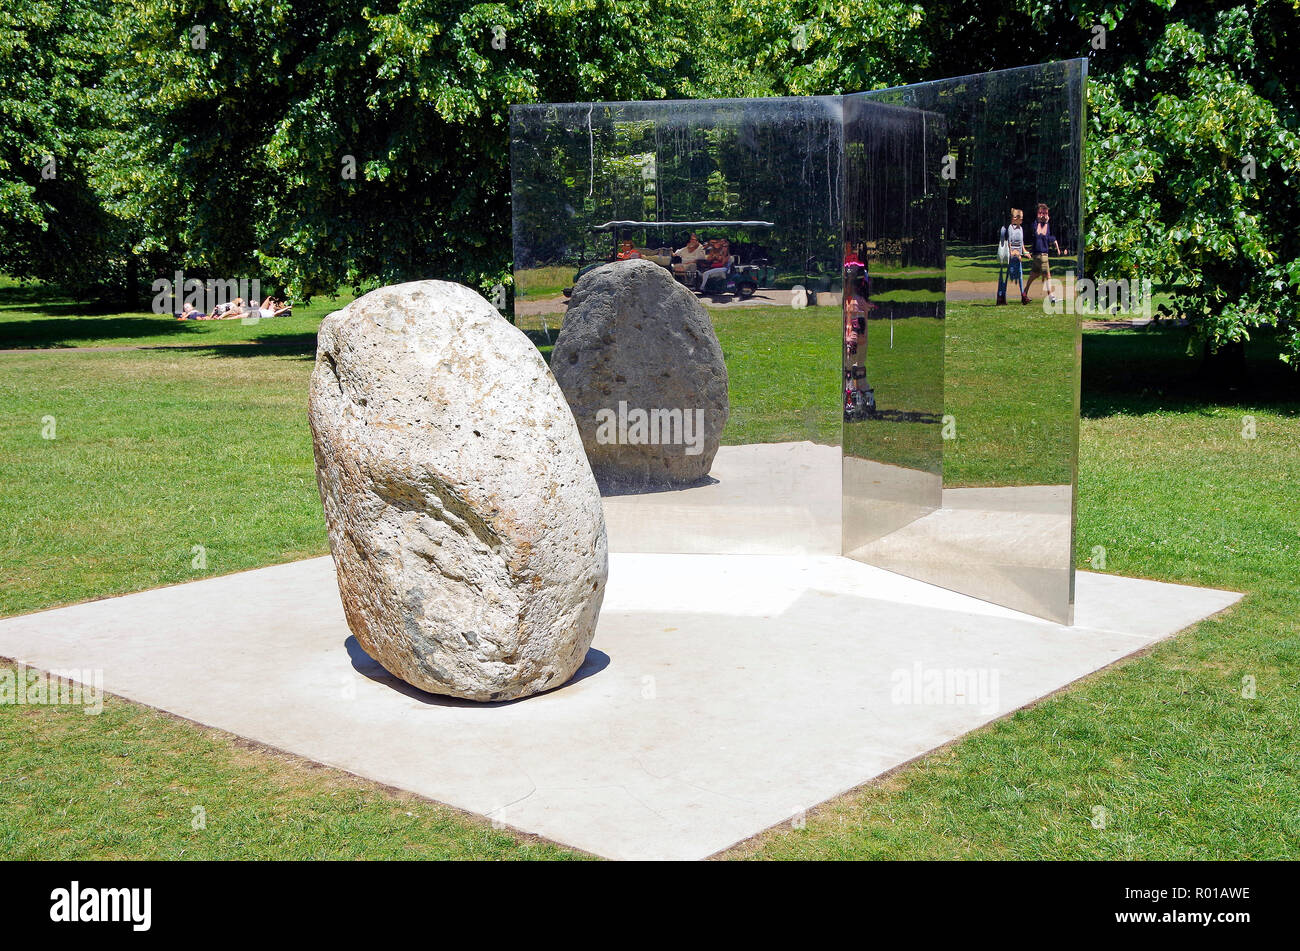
(1016, 138)
(774, 160)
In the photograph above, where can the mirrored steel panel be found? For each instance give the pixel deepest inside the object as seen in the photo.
(868, 284)
(1010, 172)
(735, 206)
(893, 320)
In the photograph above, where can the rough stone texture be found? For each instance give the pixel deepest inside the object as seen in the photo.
(464, 520)
(635, 335)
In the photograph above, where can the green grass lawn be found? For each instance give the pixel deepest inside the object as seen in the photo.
(159, 451)
(973, 262)
(783, 373)
(904, 363)
(979, 263)
(155, 452)
(1009, 375)
(133, 783)
(539, 283)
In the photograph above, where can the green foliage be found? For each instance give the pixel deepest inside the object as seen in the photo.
(577, 168)
(1194, 162)
(228, 157)
(320, 143)
(810, 47)
(52, 223)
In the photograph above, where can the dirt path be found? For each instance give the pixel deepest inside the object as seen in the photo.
(766, 297)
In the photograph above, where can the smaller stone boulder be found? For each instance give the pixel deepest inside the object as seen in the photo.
(643, 372)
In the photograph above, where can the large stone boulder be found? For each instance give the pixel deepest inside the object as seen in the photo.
(642, 370)
(464, 520)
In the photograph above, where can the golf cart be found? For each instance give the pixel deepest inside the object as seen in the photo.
(741, 279)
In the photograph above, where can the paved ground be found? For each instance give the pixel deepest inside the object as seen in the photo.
(769, 499)
(723, 694)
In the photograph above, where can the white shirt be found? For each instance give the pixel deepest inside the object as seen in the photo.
(688, 256)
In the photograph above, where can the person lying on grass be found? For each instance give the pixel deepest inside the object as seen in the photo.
(273, 308)
(232, 311)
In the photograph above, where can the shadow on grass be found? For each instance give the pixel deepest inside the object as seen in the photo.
(54, 332)
(302, 346)
(14, 296)
(1130, 372)
(34, 317)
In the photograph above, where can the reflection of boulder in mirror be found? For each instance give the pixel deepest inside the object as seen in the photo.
(642, 370)
(960, 416)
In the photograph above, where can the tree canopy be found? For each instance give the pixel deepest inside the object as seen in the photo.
(318, 143)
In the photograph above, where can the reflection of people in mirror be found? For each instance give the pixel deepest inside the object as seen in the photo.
(627, 251)
(689, 258)
(1044, 243)
(859, 398)
(719, 257)
(1011, 254)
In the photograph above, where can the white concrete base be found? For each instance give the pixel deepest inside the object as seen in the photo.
(762, 499)
(723, 694)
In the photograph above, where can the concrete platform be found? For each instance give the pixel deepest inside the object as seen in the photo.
(723, 693)
(1011, 545)
(763, 499)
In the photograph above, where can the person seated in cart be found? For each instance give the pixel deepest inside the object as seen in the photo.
(719, 259)
(689, 258)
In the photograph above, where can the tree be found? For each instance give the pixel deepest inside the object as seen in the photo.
(809, 48)
(1195, 162)
(52, 223)
(1191, 175)
(314, 143)
(320, 143)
